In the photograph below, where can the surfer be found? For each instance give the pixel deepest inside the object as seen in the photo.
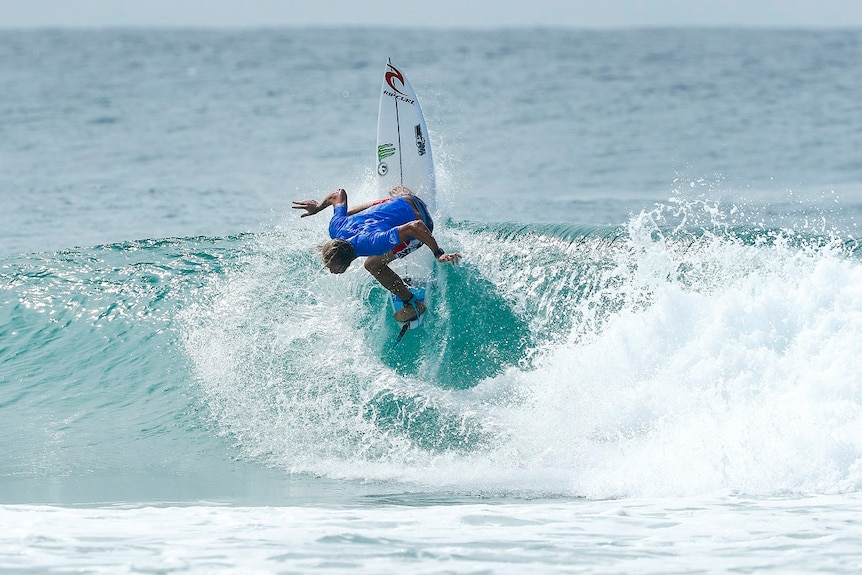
(383, 230)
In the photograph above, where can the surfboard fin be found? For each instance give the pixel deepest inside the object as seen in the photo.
(404, 329)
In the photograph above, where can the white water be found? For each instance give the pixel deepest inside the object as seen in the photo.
(722, 534)
(696, 365)
(728, 367)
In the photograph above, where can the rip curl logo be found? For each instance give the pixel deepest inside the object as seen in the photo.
(395, 74)
(392, 76)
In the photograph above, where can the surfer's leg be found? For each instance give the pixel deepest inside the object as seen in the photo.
(377, 267)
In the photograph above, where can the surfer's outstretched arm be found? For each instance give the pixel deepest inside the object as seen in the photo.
(335, 198)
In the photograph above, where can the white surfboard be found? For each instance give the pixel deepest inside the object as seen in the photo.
(404, 159)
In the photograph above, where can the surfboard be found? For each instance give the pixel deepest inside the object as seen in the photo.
(404, 159)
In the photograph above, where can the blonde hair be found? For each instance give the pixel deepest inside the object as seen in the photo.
(337, 250)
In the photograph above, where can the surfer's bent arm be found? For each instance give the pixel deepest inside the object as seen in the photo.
(335, 198)
(360, 208)
(417, 229)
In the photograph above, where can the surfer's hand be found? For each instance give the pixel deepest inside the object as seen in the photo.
(449, 258)
(335, 198)
(310, 206)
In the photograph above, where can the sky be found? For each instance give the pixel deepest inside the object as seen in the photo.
(481, 14)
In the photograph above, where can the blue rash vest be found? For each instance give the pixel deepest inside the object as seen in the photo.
(372, 232)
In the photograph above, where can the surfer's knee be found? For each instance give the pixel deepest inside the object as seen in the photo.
(374, 263)
(416, 226)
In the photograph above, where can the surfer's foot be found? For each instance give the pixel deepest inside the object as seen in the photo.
(412, 309)
(399, 191)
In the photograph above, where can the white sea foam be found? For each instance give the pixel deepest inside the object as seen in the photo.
(728, 366)
(722, 534)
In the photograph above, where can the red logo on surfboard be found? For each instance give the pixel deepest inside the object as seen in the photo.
(392, 75)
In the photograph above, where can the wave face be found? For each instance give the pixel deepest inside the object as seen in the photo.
(686, 351)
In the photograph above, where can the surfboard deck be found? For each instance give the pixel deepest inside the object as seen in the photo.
(404, 158)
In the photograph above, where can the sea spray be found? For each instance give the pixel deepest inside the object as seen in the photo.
(729, 364)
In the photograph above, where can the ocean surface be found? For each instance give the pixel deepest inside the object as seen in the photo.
(646, 362)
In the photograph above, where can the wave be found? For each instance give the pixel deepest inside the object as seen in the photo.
(92, 381)
(686, 351)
